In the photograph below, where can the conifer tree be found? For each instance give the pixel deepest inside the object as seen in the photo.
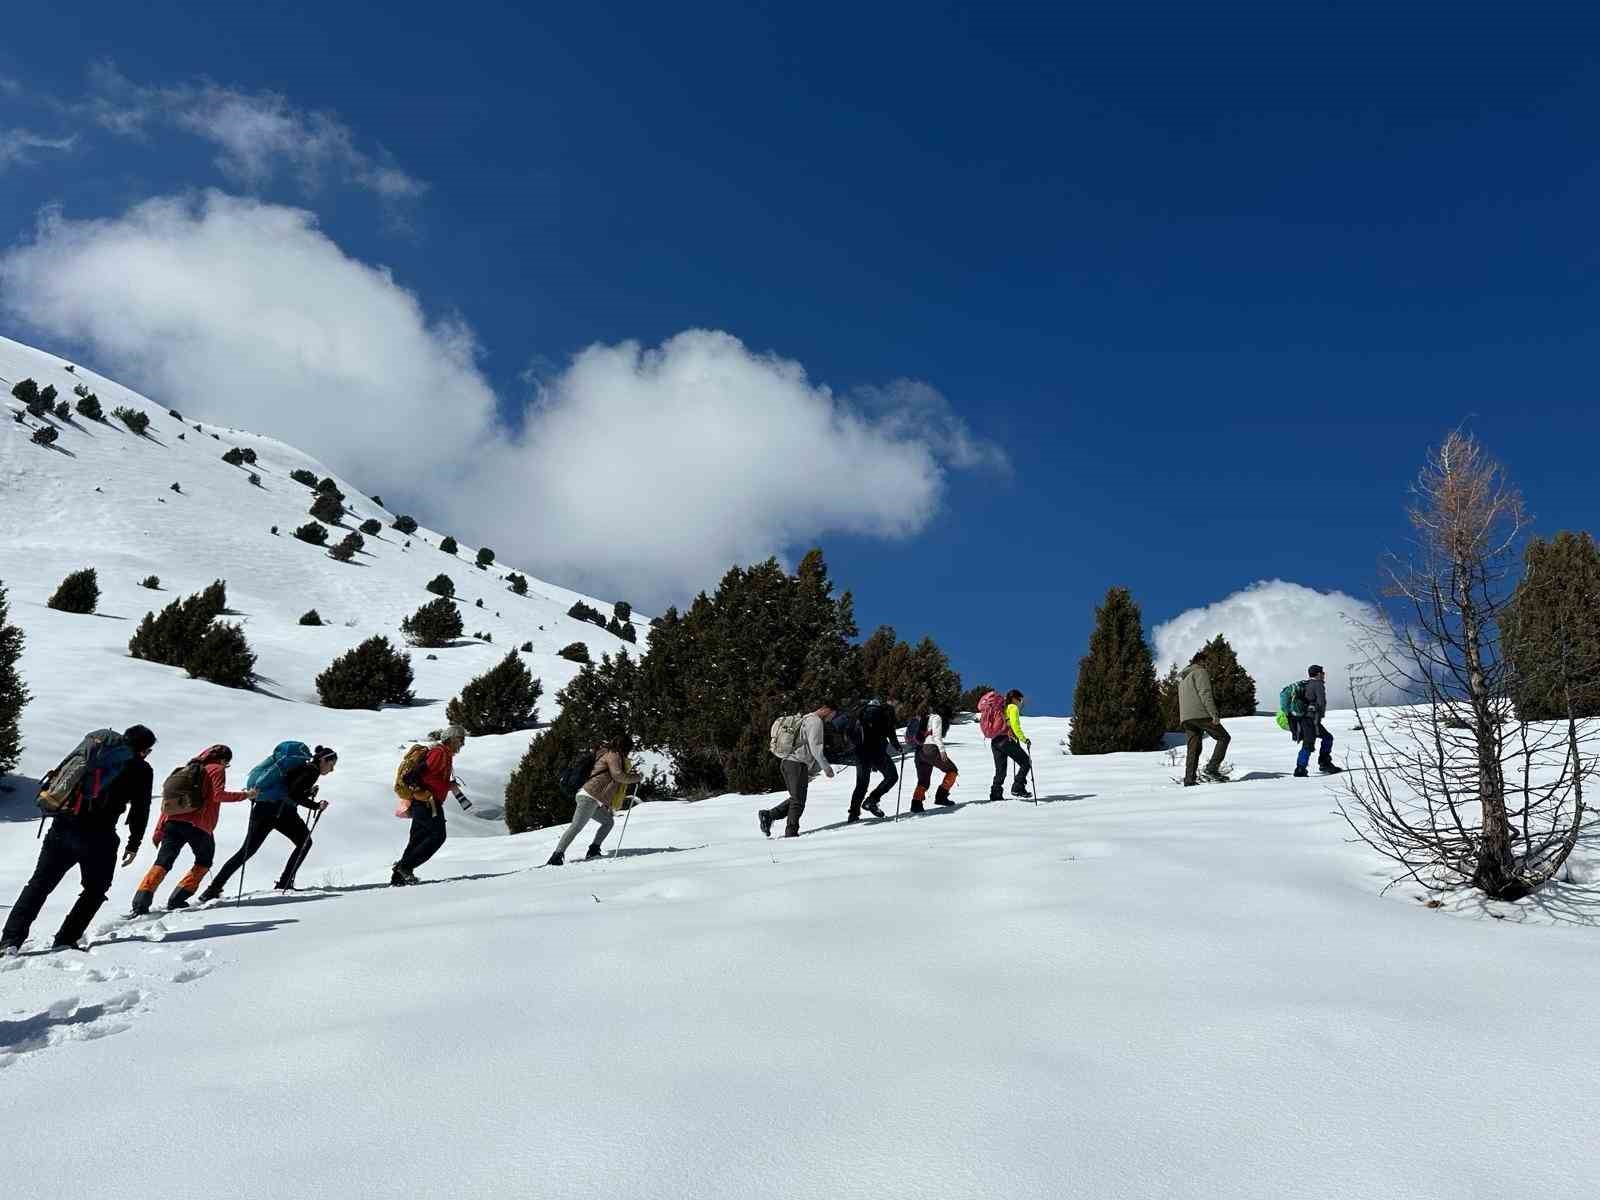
(369, 676)
(501, 700)
(12, 694)
(1552, 634)
(447, 544)
(436, 623)
(1232, 686)
(1116, 706)
(79, 593)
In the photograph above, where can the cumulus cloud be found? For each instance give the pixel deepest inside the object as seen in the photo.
(257, 134)
(644, 470)
(18, 146)
(1277, 629)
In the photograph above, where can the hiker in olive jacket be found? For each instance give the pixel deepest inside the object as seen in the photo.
(1197, 714)
(601, 795)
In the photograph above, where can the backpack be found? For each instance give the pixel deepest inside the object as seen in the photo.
(916, 731)
(184, 790)
(81, 779)
(408, 780)
(268, 775)
(1292, 699)
(785, 737)
(577, 773)
(869, 720)
(992, 715)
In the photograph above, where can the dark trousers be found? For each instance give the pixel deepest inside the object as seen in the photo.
(67, 845)
(870, 759)
(427, 834)
(175, 835)
(797, 778)
(1197, 731)
(264, 818)
(1004, 748)
(1310, 733)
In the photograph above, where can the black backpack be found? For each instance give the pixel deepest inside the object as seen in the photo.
(577, 773)
(916, 728)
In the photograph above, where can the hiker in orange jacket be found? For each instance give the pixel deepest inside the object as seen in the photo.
(193, 828)
(431, 782)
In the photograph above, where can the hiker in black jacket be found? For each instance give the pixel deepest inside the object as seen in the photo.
(87, 839)
(876, 730)
(280, 811)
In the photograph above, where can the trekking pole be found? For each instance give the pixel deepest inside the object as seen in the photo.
(900, 790)
(627, 811)
(238, 898)
(1033, 770)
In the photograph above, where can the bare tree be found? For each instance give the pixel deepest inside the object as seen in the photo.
(1460, 790)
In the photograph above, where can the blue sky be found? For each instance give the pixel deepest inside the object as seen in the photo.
(1211, 281)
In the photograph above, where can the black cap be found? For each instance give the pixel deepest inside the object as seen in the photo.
(139, 737)
(1313, 669)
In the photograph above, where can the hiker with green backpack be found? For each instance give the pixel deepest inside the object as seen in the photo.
(85, 795)
(1301, 707)
(797, 742)
(191, 801)
(284, 781)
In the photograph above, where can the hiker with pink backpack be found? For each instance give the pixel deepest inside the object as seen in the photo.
(1000, 720)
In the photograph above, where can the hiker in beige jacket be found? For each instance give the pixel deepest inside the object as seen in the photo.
(601, 795)
(1197, 714)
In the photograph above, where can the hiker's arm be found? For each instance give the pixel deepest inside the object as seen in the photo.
(140, 784)
(814, 743)
(936, 731)
(1014, 719)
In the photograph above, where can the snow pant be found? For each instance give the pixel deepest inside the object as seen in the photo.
(67, 845)
(175, 835)
(797, 778)
(264, 818)
(929, 757)
(1310, 733)
(1196, 731)
(427, 834)
(1004, 748)
(585, 806)
(869, 760)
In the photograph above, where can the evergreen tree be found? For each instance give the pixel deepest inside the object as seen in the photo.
(223, 656)
(448, 544)
(312, 532)
(405, 524)
(300, 475)
(485, 557)
(501, 700)
(170, 637)
(1117, 706)
(369, 676)
(132, 418)
(442, 585)
(347, 547)
(372, 527)
(89, 406)
(326, 509)
(574, 652)
(437, 623)
(327, 487)
(1231, 685)
(233, 457)
(1551, 635)
(915, 678)
(79, 593)
(519, 583)
(13, 695)
(970, 697)
(311, 617)
(1170, 707)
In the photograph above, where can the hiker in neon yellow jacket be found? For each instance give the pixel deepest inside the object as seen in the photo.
(1009, 745)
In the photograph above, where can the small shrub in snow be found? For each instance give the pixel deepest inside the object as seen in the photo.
(174, 414)
(300, 475)
(519, 583)
(485, 557)
(584, 612)
(274, 531)
(436, 623)
(176, 488)
(63, 411)
(503, 699)
(628, 633)
(312, 532)
(326, 509)
(311, 618)
(442, 585)
(222, 656)
(45, 435)
(346, 549)
(249, 455)
(480, 601)
(356, 540)
(132, 418)
(255, 479)
(372, 527)
(448, 545)
(527, 647)
(622, 611)
(576, 652)
(370, 676)
(407, 525)
(328, 487)
(153, 582)
(233, 457)
(88, 407)
(378, 500)
(27, 391)
(12, 694)
(78, 593)
(197, 428)
(181, 437)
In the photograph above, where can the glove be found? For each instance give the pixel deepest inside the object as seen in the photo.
(322, 806)
(129, 855)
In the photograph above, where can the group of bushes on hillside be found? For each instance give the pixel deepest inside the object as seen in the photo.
(187, 634)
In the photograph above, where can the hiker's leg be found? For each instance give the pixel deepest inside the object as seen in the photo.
(261, 823)
(97, 865)
(56, 858)
(420, 845)
(604, 819)
(863, 779)
(891, 775)
(1220, 752)
(290, 824)
(582, 810)
(1194, 741)
(997, 747)
(797, 778)
(1325, 754)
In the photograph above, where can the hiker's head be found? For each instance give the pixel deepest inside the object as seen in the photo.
(453, 736)
(622, 744)
(325, 759)
(1314, 671)
(1198, 655)
(140, 738)
(828, 710)
(218, 754)
(1015, 697)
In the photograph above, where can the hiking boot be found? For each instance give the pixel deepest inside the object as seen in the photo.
(916, 806)
(594, 853)
(396, 878)
(871, 806)
(1300, 772)
(80, 947)
(942, 799)
(211, 893)
(995, 794)
(764, 819)
(179, 899)
(1327, 767)
(1215, 774)
(557, 859)
(852, 818)
(10, 949)
(1020, 793)
(1191, 783)
(141, 903)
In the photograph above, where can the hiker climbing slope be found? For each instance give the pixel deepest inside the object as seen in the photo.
(926, 733)
(1001, 722)
(1197, 714)
(874, 734)
(797, 741)
(604, 787)
(426, 777)
(285, 781)
(191, 801)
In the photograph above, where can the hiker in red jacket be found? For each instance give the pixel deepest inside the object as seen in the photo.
(179, 827)
(430, 782)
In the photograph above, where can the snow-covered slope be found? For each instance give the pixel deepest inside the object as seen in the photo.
(1127, 990)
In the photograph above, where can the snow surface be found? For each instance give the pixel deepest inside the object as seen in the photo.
(1125, 990)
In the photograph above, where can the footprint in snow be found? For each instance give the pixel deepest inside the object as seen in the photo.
(67, 1020)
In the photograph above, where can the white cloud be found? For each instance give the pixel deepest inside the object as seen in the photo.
(647, 471)
(1278, 629)
(17, 146)
(257, 134)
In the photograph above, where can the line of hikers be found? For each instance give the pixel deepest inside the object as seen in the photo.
(108, 773)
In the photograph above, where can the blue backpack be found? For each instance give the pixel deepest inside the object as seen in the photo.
(268, 775)
(916, 730)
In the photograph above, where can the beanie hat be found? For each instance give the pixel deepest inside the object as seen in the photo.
(1313, 669)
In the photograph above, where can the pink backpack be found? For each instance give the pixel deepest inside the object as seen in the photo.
(992, 715)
